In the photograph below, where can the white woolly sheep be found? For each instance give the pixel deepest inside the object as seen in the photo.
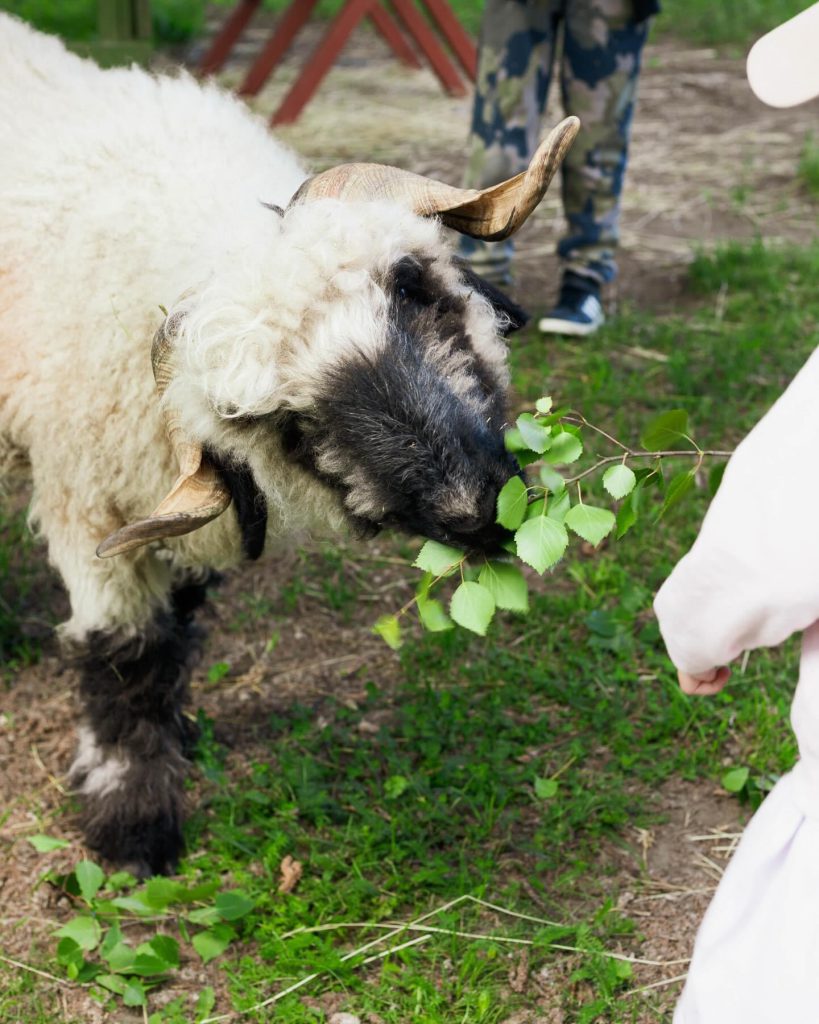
(324, 362)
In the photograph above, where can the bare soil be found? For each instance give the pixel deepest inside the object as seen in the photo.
(708, 163)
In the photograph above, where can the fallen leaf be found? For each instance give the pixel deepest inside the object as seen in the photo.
(291, 873)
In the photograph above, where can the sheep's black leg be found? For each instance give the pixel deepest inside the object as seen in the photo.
(130, 766)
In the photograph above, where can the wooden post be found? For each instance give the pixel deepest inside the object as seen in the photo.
(321, 60)
(418, 27)
(287, 28)
(462, 44)
(385, 23)
(227, 36)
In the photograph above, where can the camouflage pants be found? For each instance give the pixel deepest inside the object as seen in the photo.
(600, 65)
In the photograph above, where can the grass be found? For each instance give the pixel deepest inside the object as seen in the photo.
(730, 22)
(808, 169)
(506, 767)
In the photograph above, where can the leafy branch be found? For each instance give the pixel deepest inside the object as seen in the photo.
(93, 947)
(540, 512)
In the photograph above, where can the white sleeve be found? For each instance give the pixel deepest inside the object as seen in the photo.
(752, 577)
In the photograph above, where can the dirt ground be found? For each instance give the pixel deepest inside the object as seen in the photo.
(708, 163)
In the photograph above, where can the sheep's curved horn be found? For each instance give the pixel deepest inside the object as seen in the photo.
(491, 213)
(198, 494)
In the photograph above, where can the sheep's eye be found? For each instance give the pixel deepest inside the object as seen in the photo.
(409, 285)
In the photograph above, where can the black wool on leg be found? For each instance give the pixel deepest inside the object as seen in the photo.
(131, 765)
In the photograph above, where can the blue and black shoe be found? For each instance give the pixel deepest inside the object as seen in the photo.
(579, 311)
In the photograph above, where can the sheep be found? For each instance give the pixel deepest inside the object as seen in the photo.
(321, 360)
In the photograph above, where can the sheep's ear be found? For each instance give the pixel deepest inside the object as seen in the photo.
(194, 500)
(516, 315)
(199, 493)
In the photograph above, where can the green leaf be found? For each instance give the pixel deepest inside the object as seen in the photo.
(167, 948)
(395, 786)
(507, 585)
(677, 488)
(536, 436)
(665, 430)
(112, 938)
(88, 972)
(513, 441)
(119, 880)
(541, 542)
(536, 508)
(134, 904)
(512, 501)
(622, 969)
(590, 523)
(472, 606)
(89, 878)
(134, 994)
(619, 480)
(120, 958)
(545, 789)
(555, 416)
(113, 982)
(213, 942)
(204, 915)
(147, 965)
(558, 506)
(159, 892)
(205, 1003)
(69, 952)
(550, 478)
(85, 931)
(735, 779)
(544, 406)
(389, 629)
(565, 448)
(433, 614)
(526, 458)
(218, 671)
(196, 893)
(628, 512)
(44, 844)
(233, 905)
(439, 559)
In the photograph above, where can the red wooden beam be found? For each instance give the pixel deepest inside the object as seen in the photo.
(287, 28)
(418, 27)
(386, 25)
(322, 59)
(461, 43)
(226, 38)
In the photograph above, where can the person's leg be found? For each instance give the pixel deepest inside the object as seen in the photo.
(599, 73)
(514, 66)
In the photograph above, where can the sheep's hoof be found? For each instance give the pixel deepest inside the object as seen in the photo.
(143, 846)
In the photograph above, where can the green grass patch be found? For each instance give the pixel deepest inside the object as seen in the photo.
(730, 22)
(808, 170)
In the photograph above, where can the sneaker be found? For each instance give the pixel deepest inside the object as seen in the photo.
(578, 312)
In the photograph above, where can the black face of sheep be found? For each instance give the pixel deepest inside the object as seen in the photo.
(413, 437)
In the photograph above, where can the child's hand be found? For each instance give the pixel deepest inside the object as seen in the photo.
(706, 684)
